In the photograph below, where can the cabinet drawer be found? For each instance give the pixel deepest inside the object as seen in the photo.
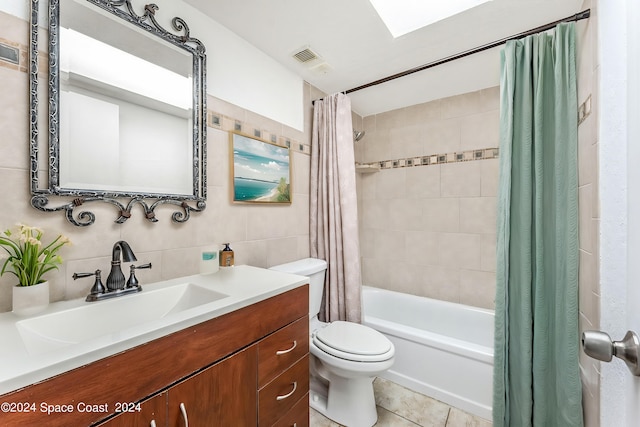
(279, 396)
(282, 349)
(298, 416)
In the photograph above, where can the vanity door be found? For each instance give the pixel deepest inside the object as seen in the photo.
(150, 413)
(221, 395)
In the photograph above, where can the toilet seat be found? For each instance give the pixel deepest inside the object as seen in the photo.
(352, 341)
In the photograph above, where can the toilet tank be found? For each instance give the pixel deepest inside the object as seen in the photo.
(314, 269)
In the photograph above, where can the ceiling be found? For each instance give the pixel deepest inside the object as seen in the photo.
(356, 48)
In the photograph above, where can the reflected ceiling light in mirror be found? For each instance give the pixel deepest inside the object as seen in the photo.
(95, 60)
(404, 16)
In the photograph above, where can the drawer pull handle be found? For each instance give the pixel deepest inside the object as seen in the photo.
(284, 396)
(289, 350)
(153, 423)
(183, 409)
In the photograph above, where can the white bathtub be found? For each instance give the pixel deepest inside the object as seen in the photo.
(443, 349)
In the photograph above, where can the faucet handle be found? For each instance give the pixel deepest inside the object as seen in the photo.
(140, 267)
(98, 287)
(133, 280)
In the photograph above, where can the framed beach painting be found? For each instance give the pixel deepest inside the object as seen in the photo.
(260, 170)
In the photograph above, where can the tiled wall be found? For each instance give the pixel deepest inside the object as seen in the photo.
(260, 235)
(427, 225)
(589, 208)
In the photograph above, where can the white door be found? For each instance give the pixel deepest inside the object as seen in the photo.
(619, 139)
(633, 188)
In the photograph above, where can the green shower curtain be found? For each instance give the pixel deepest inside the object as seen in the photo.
(536, 373)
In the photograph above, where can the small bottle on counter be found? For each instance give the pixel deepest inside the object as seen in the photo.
(226, 256)
(209, 262)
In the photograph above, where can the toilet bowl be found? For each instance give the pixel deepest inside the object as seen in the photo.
(345, 357)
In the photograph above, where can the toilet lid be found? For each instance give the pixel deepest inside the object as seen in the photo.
(353, 341)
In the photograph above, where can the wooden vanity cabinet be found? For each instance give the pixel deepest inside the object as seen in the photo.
(150, 413)
(283, 375)
(298, 415)
(222, 395)
(221, 370)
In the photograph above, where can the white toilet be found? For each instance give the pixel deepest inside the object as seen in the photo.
(346, 357)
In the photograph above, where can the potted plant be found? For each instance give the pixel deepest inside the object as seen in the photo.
(29, 259)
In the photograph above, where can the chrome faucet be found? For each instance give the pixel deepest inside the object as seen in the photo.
(116, 285)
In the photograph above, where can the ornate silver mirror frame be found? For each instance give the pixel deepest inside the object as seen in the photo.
(75, 198)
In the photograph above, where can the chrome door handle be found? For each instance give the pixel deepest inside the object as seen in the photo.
(281, 352)
(183, 410)
(599, 345)
(284, 396)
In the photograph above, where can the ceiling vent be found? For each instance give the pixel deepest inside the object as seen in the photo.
(311, 60)
(306, 56)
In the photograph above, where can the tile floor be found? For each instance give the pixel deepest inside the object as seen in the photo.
(401, 407)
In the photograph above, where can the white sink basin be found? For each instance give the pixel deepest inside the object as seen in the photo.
(110, 317)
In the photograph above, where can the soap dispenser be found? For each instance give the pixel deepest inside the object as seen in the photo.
(226, 256)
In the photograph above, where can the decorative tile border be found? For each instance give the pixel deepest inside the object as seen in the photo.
(436, 159)
(228, 124)
(13, 55)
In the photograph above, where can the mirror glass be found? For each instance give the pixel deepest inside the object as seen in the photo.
(125, 111)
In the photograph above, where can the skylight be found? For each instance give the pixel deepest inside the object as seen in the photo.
(404, 16)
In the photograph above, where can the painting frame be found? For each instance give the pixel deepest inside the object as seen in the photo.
(260, 170)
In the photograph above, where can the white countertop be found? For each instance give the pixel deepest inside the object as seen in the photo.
(244, 285)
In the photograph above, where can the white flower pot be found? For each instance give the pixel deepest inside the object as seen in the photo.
(28, 300)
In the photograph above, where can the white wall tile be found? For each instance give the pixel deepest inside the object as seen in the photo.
(378, 273)
(376, 214)
(14, 105)
(477, 288)
(406, 215)
(441, 137)
(391, 184)
(480, 131)
(587, 241)
(445, 212)
(282, 250)
(422, 248)
(460, 179)
(423, 181)
(441, 283)
(389, 246)
(441, 215)
(488, 252)
(460, 250)
(478, 215)
(406, 141)
(489, 177)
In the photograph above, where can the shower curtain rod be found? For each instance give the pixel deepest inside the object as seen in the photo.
(577, 17)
